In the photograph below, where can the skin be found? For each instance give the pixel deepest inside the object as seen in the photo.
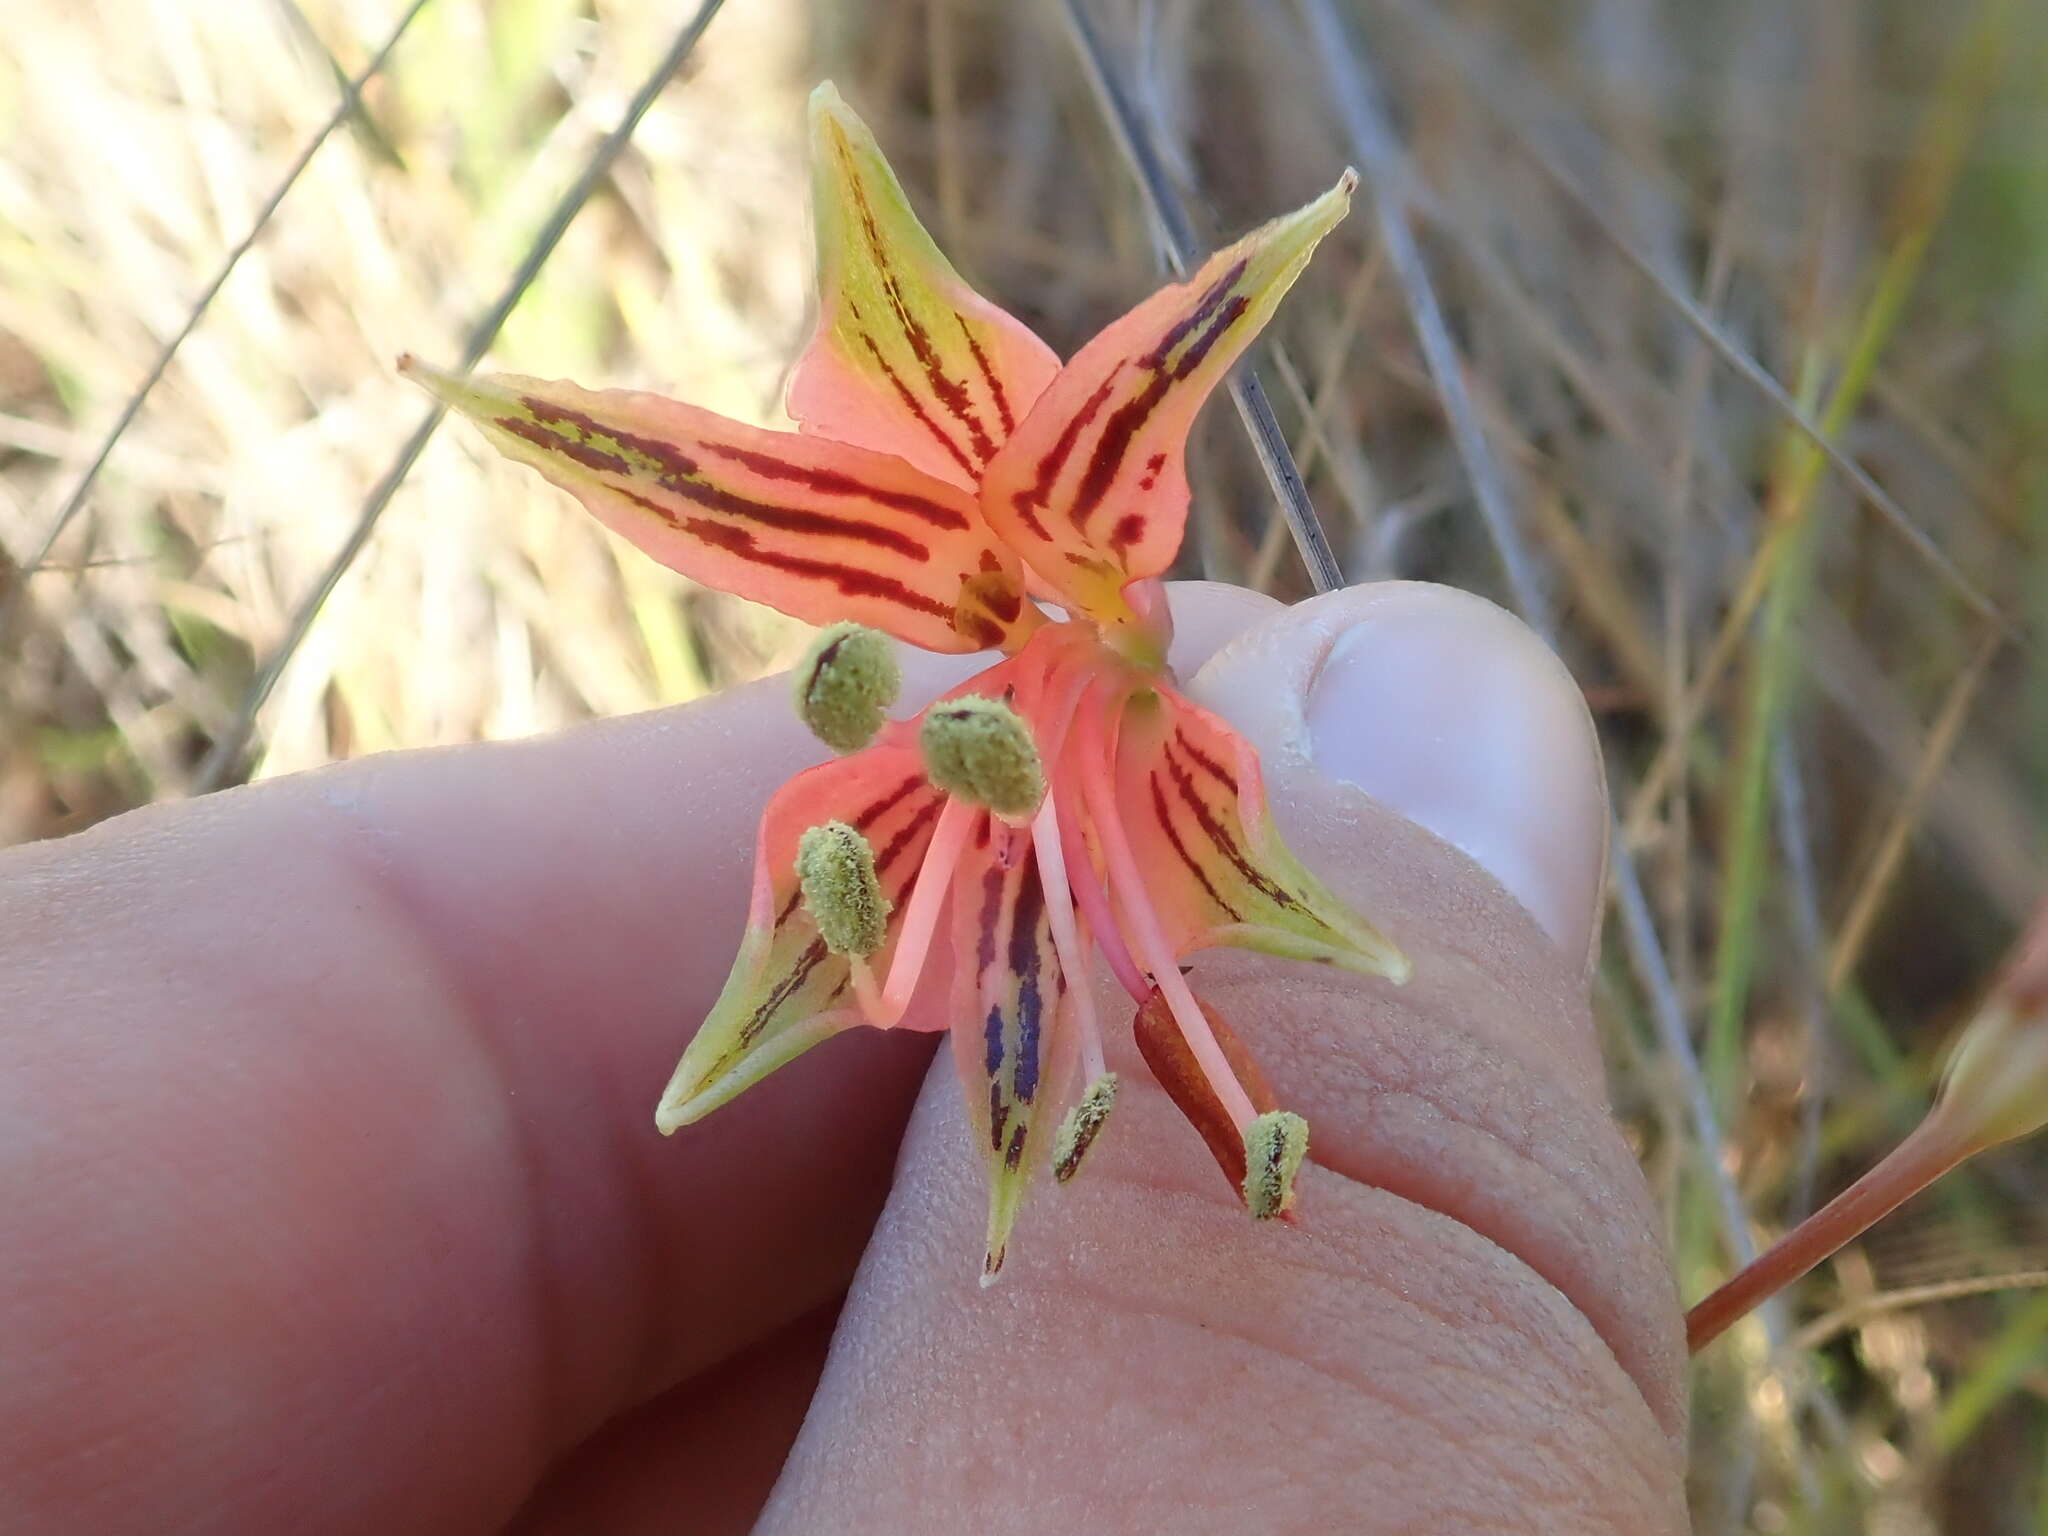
(330, 1198)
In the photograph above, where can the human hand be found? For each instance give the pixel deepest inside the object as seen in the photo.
(330, 1198)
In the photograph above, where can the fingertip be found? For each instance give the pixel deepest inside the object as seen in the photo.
(1208, 615)
(1447, 710)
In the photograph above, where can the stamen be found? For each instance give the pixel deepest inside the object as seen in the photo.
(1094, 903)
(885, 1006)
(844, 683)
(1142, 922)
(1274, 1146)
(1066, 939)
(1164, 1046)
(835, 869)
(1081, 1126)
(981, 750)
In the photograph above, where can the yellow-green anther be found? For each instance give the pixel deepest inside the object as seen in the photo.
(844, 683)
(1078, 1130)
(836, 869)
(1274, 1145)
(981, 750)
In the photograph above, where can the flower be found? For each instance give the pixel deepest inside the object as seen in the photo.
(1067, 803)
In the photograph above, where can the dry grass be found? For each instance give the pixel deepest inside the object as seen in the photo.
(1826, 727)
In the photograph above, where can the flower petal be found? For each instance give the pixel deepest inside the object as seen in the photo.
(1008, 992)
(787, 991)
(818, 529)
(907, 358)
(1194, 808)
(1092, 489)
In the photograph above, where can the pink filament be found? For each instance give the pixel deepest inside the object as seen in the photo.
(1094, 903)
(1143, 923)
(920, 919)
(1066, 939)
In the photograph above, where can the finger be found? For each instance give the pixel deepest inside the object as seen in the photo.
(700, 1458)
(326, 1143)
(1471, 1327)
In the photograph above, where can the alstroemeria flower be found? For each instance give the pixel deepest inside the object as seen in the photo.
(1068, 802)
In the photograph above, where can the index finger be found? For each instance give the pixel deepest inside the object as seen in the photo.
(328, 1126)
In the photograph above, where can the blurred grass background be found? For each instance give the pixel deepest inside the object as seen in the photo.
(1617, 222)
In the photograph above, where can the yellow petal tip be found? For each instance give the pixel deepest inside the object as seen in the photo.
(680, 1109)
(827, 106)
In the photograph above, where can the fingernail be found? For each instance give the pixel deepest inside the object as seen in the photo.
(1450, 711)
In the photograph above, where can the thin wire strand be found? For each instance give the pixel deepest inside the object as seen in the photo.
(349, 105)
(228, 747)
(1249, 396)
(1358, 104)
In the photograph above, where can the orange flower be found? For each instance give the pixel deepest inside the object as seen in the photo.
(948, 473)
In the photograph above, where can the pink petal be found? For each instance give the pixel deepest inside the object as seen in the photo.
(907, 358)
(787, 991)
(817, 529)
(1008, 988)
(1193, 804)
(1092, 488)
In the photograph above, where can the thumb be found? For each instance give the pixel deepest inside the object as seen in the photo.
(1472, 1325)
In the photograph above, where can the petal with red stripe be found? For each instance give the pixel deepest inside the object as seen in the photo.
(1008, 996)
(787, 991)
(907, 358)
(817, 529)
(1194, 807)
(1092, 488)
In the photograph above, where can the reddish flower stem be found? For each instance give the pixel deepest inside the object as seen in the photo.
(1915, 1163)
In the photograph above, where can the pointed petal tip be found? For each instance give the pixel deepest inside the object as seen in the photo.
(828, 107)
(423, 374)
(1325, 213)
(672, 1115)
(439, 383)
(685, 1104)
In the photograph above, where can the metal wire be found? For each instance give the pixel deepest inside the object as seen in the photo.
(1182, 250)
(1358, 104)
(1357, 98)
